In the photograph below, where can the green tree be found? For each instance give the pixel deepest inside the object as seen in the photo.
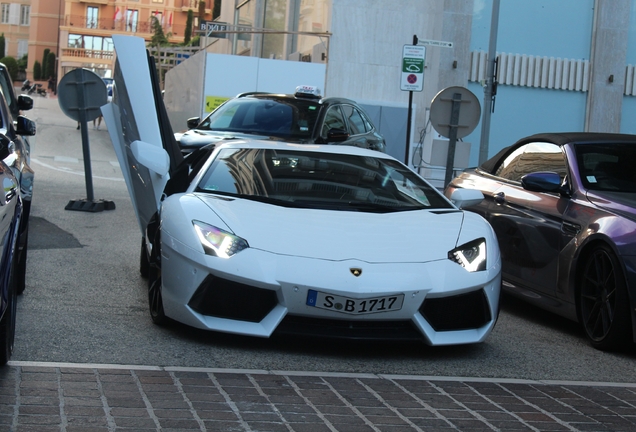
(37, 71)
(159, 38)
(50, 66)
(187, 34)
(12, 66)
(2, 45)
(201, 11)
(23, 62)
(45, 57)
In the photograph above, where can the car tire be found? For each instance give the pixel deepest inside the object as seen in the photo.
(7, 323)
(144, 261)
(155, 299)
(603, 301)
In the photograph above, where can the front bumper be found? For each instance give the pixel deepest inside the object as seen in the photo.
(257, 293)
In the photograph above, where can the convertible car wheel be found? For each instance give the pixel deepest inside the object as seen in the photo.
(155, 300)
(603, 300)
(7, 324)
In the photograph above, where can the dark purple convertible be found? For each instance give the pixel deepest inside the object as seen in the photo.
(563, 206)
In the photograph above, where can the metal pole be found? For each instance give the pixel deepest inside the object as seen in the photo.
(408, 129)
(452, 137)
(492, 54)
(81, 95)
(408, 120)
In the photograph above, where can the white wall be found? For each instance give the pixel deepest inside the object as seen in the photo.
(192, 86)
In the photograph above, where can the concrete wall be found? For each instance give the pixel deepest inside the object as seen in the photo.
(609, 52)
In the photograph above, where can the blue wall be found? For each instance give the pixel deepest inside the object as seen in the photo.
(551, 28)
(628, 119)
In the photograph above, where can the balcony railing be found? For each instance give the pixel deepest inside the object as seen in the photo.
(80, 22)
(193, 4)
(87, 53)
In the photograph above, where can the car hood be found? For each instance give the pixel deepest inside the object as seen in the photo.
(621, 203)
(341, 235)
(199, 138)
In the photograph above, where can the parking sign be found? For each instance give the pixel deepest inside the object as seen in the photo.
(413, 57)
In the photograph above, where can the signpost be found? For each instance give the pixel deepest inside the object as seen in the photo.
(81, 93)
(455, 113)
(413, 65)
(413, 57)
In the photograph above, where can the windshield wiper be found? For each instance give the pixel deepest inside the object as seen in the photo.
(377, 207)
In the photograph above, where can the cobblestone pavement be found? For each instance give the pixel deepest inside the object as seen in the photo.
(46, 397)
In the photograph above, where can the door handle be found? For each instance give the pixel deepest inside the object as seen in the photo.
(569, 227)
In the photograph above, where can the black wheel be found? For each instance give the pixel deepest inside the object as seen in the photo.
(155, 300)
(603, 300)
(144, 262)
(7, 323)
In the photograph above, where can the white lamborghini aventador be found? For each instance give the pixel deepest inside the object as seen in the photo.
(257, 237)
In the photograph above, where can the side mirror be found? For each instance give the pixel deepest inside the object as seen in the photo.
(463, 198)
(541, 182)
(193, 122)
(153, 157)
(25, 102)
(337, 135)
(25, 126)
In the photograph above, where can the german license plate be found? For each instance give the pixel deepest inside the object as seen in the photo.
(354, 306)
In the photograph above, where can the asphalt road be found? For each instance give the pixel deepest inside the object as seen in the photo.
(86, 303)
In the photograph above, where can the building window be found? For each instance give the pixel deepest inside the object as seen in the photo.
(93, 43)
(132, 18)
(157, 1)
(5, 13)
(25, 15)
(92, 17)
(275, 14)
(23, 48)
(245, 17)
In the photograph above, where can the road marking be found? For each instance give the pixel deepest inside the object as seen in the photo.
(319, 374)
(71, 171)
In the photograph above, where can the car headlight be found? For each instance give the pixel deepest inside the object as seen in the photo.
(471, 256)
(217, 242)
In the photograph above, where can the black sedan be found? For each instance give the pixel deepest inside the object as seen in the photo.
(16, 129)
(13, 220)
(563, 206)
(303, 117)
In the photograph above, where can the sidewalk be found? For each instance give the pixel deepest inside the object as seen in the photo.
(82, 397)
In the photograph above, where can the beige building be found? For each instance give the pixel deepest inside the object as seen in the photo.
(80, 31)
(15, 22)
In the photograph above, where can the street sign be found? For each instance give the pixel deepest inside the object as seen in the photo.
(442, 108)
(216, 27)
(441, 44)
(413, 58)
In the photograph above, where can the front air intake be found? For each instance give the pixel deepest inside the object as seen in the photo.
(460, 312)
(223, 298)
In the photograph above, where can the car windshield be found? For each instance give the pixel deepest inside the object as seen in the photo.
(607, 167)
(319, 180)
(288, 118)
